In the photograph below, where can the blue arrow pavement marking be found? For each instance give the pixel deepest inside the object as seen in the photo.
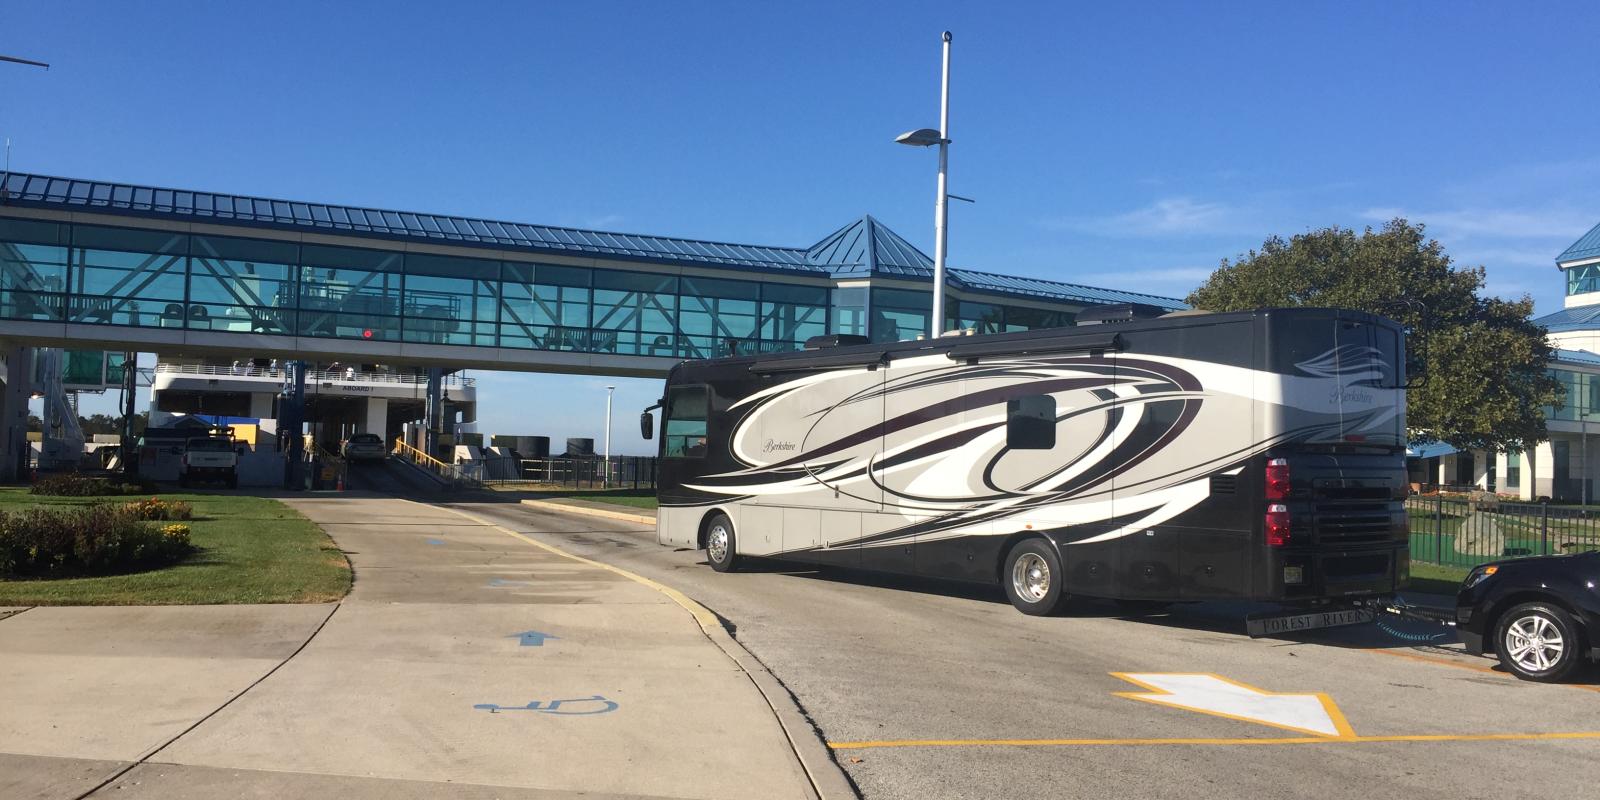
(532, 638)
(504, 582)
(435, 541)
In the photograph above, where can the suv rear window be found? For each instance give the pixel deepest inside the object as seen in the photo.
(366, 438)
(210, 444)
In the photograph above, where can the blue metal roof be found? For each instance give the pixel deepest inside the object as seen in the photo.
(1430, 450)
(1576, 357)
(868, 247)
(1577, 318)
(865, 247)
(40, 190)
(1586, 247)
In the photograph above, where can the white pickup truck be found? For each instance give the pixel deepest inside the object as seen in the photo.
(210, 458)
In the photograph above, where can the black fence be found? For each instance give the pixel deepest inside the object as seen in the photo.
(618, 472)
(1464, 531)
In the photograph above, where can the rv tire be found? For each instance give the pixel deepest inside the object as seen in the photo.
(721, 545)
(1032, 578)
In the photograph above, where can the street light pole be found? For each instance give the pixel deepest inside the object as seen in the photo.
(606, 482)
(942, 209)
(924, 137)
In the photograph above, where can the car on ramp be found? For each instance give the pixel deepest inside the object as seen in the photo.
(364, 447)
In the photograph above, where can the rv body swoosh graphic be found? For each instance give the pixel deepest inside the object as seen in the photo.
(925, 438)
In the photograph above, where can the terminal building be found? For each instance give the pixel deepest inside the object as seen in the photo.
(1564, 466)
(228, 288)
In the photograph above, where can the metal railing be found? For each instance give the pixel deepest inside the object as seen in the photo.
(1467, 530)
(619, 472)
(312, 375)
(451, 474)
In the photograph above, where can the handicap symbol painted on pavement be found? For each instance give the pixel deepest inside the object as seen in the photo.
(532, 638)
(597, 704)
(435, 541)
(504, 582)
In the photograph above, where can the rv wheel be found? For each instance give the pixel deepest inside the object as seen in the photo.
(720, 549)
(1032, 578)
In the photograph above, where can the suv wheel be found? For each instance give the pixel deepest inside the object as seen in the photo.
(1538, 642)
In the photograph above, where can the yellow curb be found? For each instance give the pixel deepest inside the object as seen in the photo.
(592, 512)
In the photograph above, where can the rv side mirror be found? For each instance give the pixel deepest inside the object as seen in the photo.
(647, 425)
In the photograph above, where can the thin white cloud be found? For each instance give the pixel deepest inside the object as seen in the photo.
(603, 222)
(1169, 216)
(1556, 223)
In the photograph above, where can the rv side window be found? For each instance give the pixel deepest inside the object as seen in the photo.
(1031, 422)
(683, 434)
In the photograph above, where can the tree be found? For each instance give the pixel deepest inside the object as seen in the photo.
(1486, 381)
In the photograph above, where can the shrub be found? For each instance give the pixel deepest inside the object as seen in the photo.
(89, 539)
(157, 509)
(74, 485)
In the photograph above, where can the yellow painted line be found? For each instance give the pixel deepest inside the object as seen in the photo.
(1443, 737)
(708, 621)
(1332, 708)
(1445, 662)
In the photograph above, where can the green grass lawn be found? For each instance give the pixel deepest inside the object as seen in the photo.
(248, 550)
(636, 498)
(1437, 578)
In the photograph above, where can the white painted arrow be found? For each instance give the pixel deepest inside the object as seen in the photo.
(1216, 695)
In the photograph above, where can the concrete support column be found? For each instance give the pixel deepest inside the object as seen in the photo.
(261, 405)
(377, 418)
(1500, 473)
(1480, 468)
(1539, 477)
(14, 413)
(434, 424)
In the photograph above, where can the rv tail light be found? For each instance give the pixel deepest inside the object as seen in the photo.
(1278, 479)
(1277, 525)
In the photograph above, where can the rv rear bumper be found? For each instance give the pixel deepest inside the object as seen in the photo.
(1319, 575)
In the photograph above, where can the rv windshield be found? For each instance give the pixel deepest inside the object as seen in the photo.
(684, 432)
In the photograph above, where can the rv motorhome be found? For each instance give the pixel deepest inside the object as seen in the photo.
(1244, 456)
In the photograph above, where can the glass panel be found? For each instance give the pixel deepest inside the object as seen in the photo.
(898, 315)
(850, 311)
(33, 270)
(1583, 279)
(1028, 319)
(683, 433)
(982, 317)
(242, 285)
(339, 300)
(126, 277)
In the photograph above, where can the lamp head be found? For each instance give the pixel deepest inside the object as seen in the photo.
(922, 137)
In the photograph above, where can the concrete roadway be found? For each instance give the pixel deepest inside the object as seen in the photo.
(874, 659)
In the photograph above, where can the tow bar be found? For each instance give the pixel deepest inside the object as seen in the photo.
(1400, 608)
(1339, 614)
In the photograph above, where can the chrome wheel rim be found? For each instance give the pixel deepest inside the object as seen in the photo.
(1030, 577)
(717, 543)
(1534, 643)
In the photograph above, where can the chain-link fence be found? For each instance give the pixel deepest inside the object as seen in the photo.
(1473, 529)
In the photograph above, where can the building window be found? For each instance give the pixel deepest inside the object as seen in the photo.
(1031, 422)
(1583, 279)
(899, 315)
(1513, 470)
(850, 311)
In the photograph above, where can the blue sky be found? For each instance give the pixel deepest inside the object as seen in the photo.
(1123, 145)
